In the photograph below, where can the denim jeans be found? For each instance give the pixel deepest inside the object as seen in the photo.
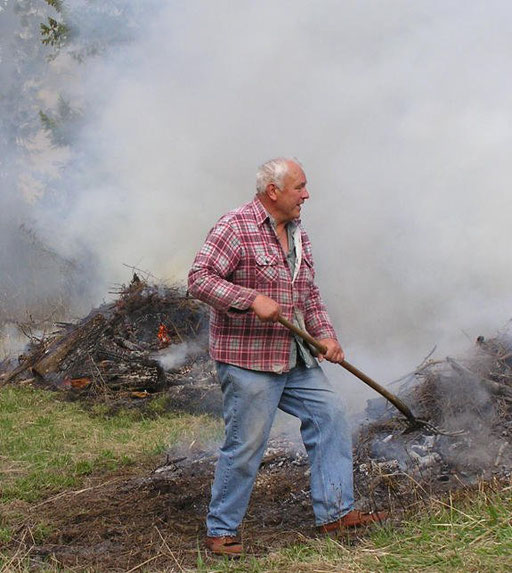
(251, 399)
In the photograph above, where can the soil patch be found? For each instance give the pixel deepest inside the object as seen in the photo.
(158, 515)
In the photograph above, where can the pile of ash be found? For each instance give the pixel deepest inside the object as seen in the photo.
(470, 400)
(151, 339)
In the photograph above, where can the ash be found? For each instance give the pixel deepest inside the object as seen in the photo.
(473, 396)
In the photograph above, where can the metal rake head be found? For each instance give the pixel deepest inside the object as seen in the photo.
(414, 424)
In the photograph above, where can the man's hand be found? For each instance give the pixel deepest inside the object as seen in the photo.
(334, 351)
(266, 308)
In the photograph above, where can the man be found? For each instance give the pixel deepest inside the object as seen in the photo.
(256, 265)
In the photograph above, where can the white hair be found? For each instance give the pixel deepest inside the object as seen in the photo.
(273, 171)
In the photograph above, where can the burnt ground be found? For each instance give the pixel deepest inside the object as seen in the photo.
(143, 513)
(116, 523)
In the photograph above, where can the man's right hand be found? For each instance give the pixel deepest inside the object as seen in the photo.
(266, 308)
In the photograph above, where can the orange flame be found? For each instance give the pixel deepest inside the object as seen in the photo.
(163, 335)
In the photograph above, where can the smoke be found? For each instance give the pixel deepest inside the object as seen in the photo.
(39, 280)
(177, 355)
(399, 111)
(465, 399)
(12, 342)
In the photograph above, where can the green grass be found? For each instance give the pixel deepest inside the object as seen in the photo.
(48, 445)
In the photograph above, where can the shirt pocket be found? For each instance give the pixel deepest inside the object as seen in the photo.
(267, 268)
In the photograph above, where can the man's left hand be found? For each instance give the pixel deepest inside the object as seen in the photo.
(334, 351)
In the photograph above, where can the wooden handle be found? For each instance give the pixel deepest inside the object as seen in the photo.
(303, 334)
(352, 369)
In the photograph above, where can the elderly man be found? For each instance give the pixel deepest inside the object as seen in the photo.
(256, 265)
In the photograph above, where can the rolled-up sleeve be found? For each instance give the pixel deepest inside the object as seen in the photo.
(215, 262)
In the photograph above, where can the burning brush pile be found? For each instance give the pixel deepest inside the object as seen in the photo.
(151, 339)
(469, 401)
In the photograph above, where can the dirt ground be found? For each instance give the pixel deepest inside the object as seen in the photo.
(118, 522)
(156, 515)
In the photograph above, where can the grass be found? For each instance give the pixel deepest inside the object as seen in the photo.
(48, 445)
(474, 534)
(471, 534)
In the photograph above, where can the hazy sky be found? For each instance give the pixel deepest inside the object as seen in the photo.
(400, 112)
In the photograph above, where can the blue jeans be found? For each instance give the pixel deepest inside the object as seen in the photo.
(251, 399)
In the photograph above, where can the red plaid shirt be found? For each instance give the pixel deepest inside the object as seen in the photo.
(241, 258)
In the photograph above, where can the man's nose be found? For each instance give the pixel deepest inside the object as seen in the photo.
(305, 193)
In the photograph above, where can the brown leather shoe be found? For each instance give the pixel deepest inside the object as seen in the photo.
(229, 546)
(354, 518)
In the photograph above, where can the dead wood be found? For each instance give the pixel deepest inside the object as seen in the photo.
(490, 385)
(113, 353)
(63, 345)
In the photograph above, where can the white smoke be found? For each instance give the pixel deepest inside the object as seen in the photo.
(177, 355)
(399, 111)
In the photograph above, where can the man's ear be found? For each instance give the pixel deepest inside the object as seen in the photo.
(271, 191)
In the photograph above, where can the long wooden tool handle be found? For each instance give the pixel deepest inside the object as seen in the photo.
(352, 369)
(303, 334)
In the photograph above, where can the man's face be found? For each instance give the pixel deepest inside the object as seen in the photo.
(292, 193)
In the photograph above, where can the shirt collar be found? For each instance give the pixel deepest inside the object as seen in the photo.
(260, 212)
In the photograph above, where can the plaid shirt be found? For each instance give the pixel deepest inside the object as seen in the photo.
(241, 258)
